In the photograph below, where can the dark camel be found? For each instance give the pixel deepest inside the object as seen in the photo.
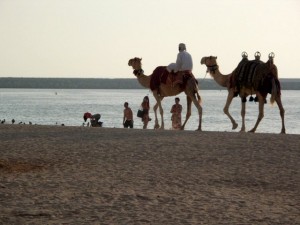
(264, 81)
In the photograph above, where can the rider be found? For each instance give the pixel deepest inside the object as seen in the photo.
(183, 66)
(184, 61)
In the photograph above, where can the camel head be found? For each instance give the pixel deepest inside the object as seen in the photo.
(136, 64)
(211, 63)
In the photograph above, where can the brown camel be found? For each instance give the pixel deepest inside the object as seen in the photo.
(164, 84)
(250, 77)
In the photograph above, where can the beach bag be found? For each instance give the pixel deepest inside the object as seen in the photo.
(140, 113)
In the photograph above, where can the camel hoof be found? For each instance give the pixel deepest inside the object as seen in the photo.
(156, 126)
(234, 126)
(251, 131)
(282, 131)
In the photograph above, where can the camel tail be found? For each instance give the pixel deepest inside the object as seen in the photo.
(275, 90)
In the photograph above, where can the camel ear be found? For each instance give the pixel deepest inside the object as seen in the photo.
(216, 57)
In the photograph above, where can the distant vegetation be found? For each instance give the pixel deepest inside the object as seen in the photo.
(90, 83)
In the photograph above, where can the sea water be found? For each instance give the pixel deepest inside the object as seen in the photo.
(67, 106)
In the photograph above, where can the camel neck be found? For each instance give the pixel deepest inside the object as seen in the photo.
(221, 79)
(144, 80)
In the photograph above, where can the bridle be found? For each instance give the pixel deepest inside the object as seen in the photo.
(138, 72)
(132, 62)
(212, 68)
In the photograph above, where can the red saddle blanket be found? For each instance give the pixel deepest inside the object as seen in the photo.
(162, 75)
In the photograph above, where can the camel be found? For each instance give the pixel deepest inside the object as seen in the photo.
(162, 89)
(262, 80)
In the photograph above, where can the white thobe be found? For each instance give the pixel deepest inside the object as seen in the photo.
(183, 62)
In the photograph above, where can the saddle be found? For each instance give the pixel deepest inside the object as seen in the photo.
(162, 75)
(245, 75)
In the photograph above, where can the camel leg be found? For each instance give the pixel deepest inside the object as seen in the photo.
(243, 113)
(188, 112)
(162, 116)
(156, 125)
(281, 109)
(158, 103)
(199, 108)
(261, 101)
(226, 109)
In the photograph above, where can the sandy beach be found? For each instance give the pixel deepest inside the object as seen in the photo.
(81, 175)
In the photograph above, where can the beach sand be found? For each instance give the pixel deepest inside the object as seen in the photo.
(81, 175)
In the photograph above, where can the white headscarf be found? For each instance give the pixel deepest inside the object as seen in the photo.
(182, 47)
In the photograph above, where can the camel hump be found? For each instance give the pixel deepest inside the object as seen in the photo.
(158, 70)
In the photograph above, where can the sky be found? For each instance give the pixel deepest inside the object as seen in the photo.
(96, 38)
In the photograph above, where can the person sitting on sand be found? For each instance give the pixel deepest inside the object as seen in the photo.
(128, 116)
(93, 118)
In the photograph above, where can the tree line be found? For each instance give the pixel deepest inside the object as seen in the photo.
(105, 83)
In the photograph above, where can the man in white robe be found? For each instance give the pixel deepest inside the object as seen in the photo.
(184, 61)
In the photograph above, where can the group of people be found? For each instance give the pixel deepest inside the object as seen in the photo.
(145, 107)
(128, 115)
(184, 64)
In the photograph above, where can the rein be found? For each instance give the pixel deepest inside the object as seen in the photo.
(212, 68)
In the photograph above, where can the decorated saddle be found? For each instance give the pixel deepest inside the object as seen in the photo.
(253, 74)
(245, 73)
(162, 76)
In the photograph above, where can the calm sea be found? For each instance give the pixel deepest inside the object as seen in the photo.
(65, 106)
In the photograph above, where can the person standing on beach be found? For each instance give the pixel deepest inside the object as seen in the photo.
(93, 118)
(176, 114)
(146, 107)
(128, 116)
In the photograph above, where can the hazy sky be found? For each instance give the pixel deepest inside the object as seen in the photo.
(96, 38)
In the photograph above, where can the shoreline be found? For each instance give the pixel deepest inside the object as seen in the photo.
(80, 175)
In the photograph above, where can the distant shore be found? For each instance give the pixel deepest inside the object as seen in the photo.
(82, 175)
(103, 83)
